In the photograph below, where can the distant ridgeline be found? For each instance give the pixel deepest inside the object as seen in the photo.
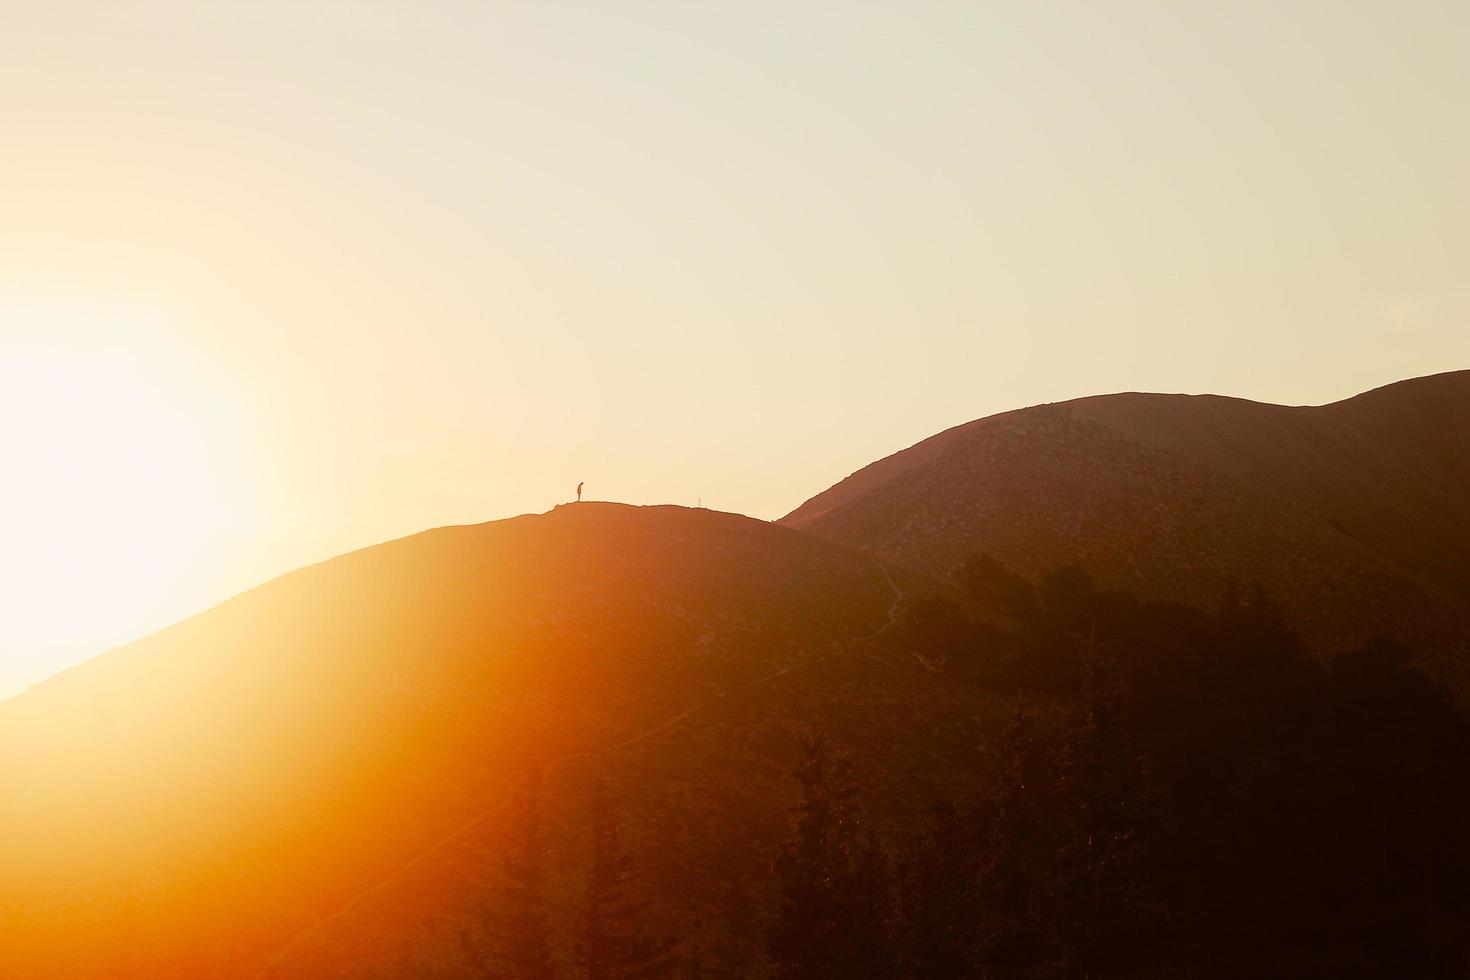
(1355, 516)
(1134, 686)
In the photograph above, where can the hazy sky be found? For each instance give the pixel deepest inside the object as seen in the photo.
(278, 279)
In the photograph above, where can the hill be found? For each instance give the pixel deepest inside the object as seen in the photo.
(315, 779)
(1354, 515)
(310, 779)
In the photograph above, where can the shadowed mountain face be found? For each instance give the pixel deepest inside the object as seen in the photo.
(313, 780)
(315, 773)
(1354, 515)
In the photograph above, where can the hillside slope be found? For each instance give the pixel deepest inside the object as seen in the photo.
(1356, 515)
(309, 780)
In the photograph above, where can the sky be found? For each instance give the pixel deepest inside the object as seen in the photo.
(281, 279)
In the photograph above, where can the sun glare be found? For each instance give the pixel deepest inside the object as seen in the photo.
(107, 499)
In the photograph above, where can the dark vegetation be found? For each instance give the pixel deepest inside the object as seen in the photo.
(1355, 514)
(310, 781)
(515, 937)
(1216, 804)
(1176, 794)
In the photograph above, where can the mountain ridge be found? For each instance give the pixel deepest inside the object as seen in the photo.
(312, 775)
(279, 773)
(1356, 514)
(878, 471)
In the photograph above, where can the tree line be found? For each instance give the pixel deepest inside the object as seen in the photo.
(1211, 802)
(1177, 793)
(513, 936)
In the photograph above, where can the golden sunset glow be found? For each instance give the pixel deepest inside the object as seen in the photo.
(328, 277)
(115, 502)
(601, 489)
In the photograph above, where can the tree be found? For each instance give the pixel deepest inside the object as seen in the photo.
(1108, 806)
(516, 919)
(998, 588)
(834, 918)
(1018, 848)
(975, 887)
(612, 945)
(940, 901)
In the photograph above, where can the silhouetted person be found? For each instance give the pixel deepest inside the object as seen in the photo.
(579, 493)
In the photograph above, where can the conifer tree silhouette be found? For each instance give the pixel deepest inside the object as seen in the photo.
(834, 918)
(1108, 806)
(1018, 848)
(517, 919)
(613, 945)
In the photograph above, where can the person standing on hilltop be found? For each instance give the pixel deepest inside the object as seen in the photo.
(579, 493)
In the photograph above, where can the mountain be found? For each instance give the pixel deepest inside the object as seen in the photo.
(313, 776)
(1355, 516)
(315, 779)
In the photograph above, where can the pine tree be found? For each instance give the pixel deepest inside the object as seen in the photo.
(941, 900)
(612, 945)
(834, 915)
(517, 918)
(1108, 804)
(1013, 905)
